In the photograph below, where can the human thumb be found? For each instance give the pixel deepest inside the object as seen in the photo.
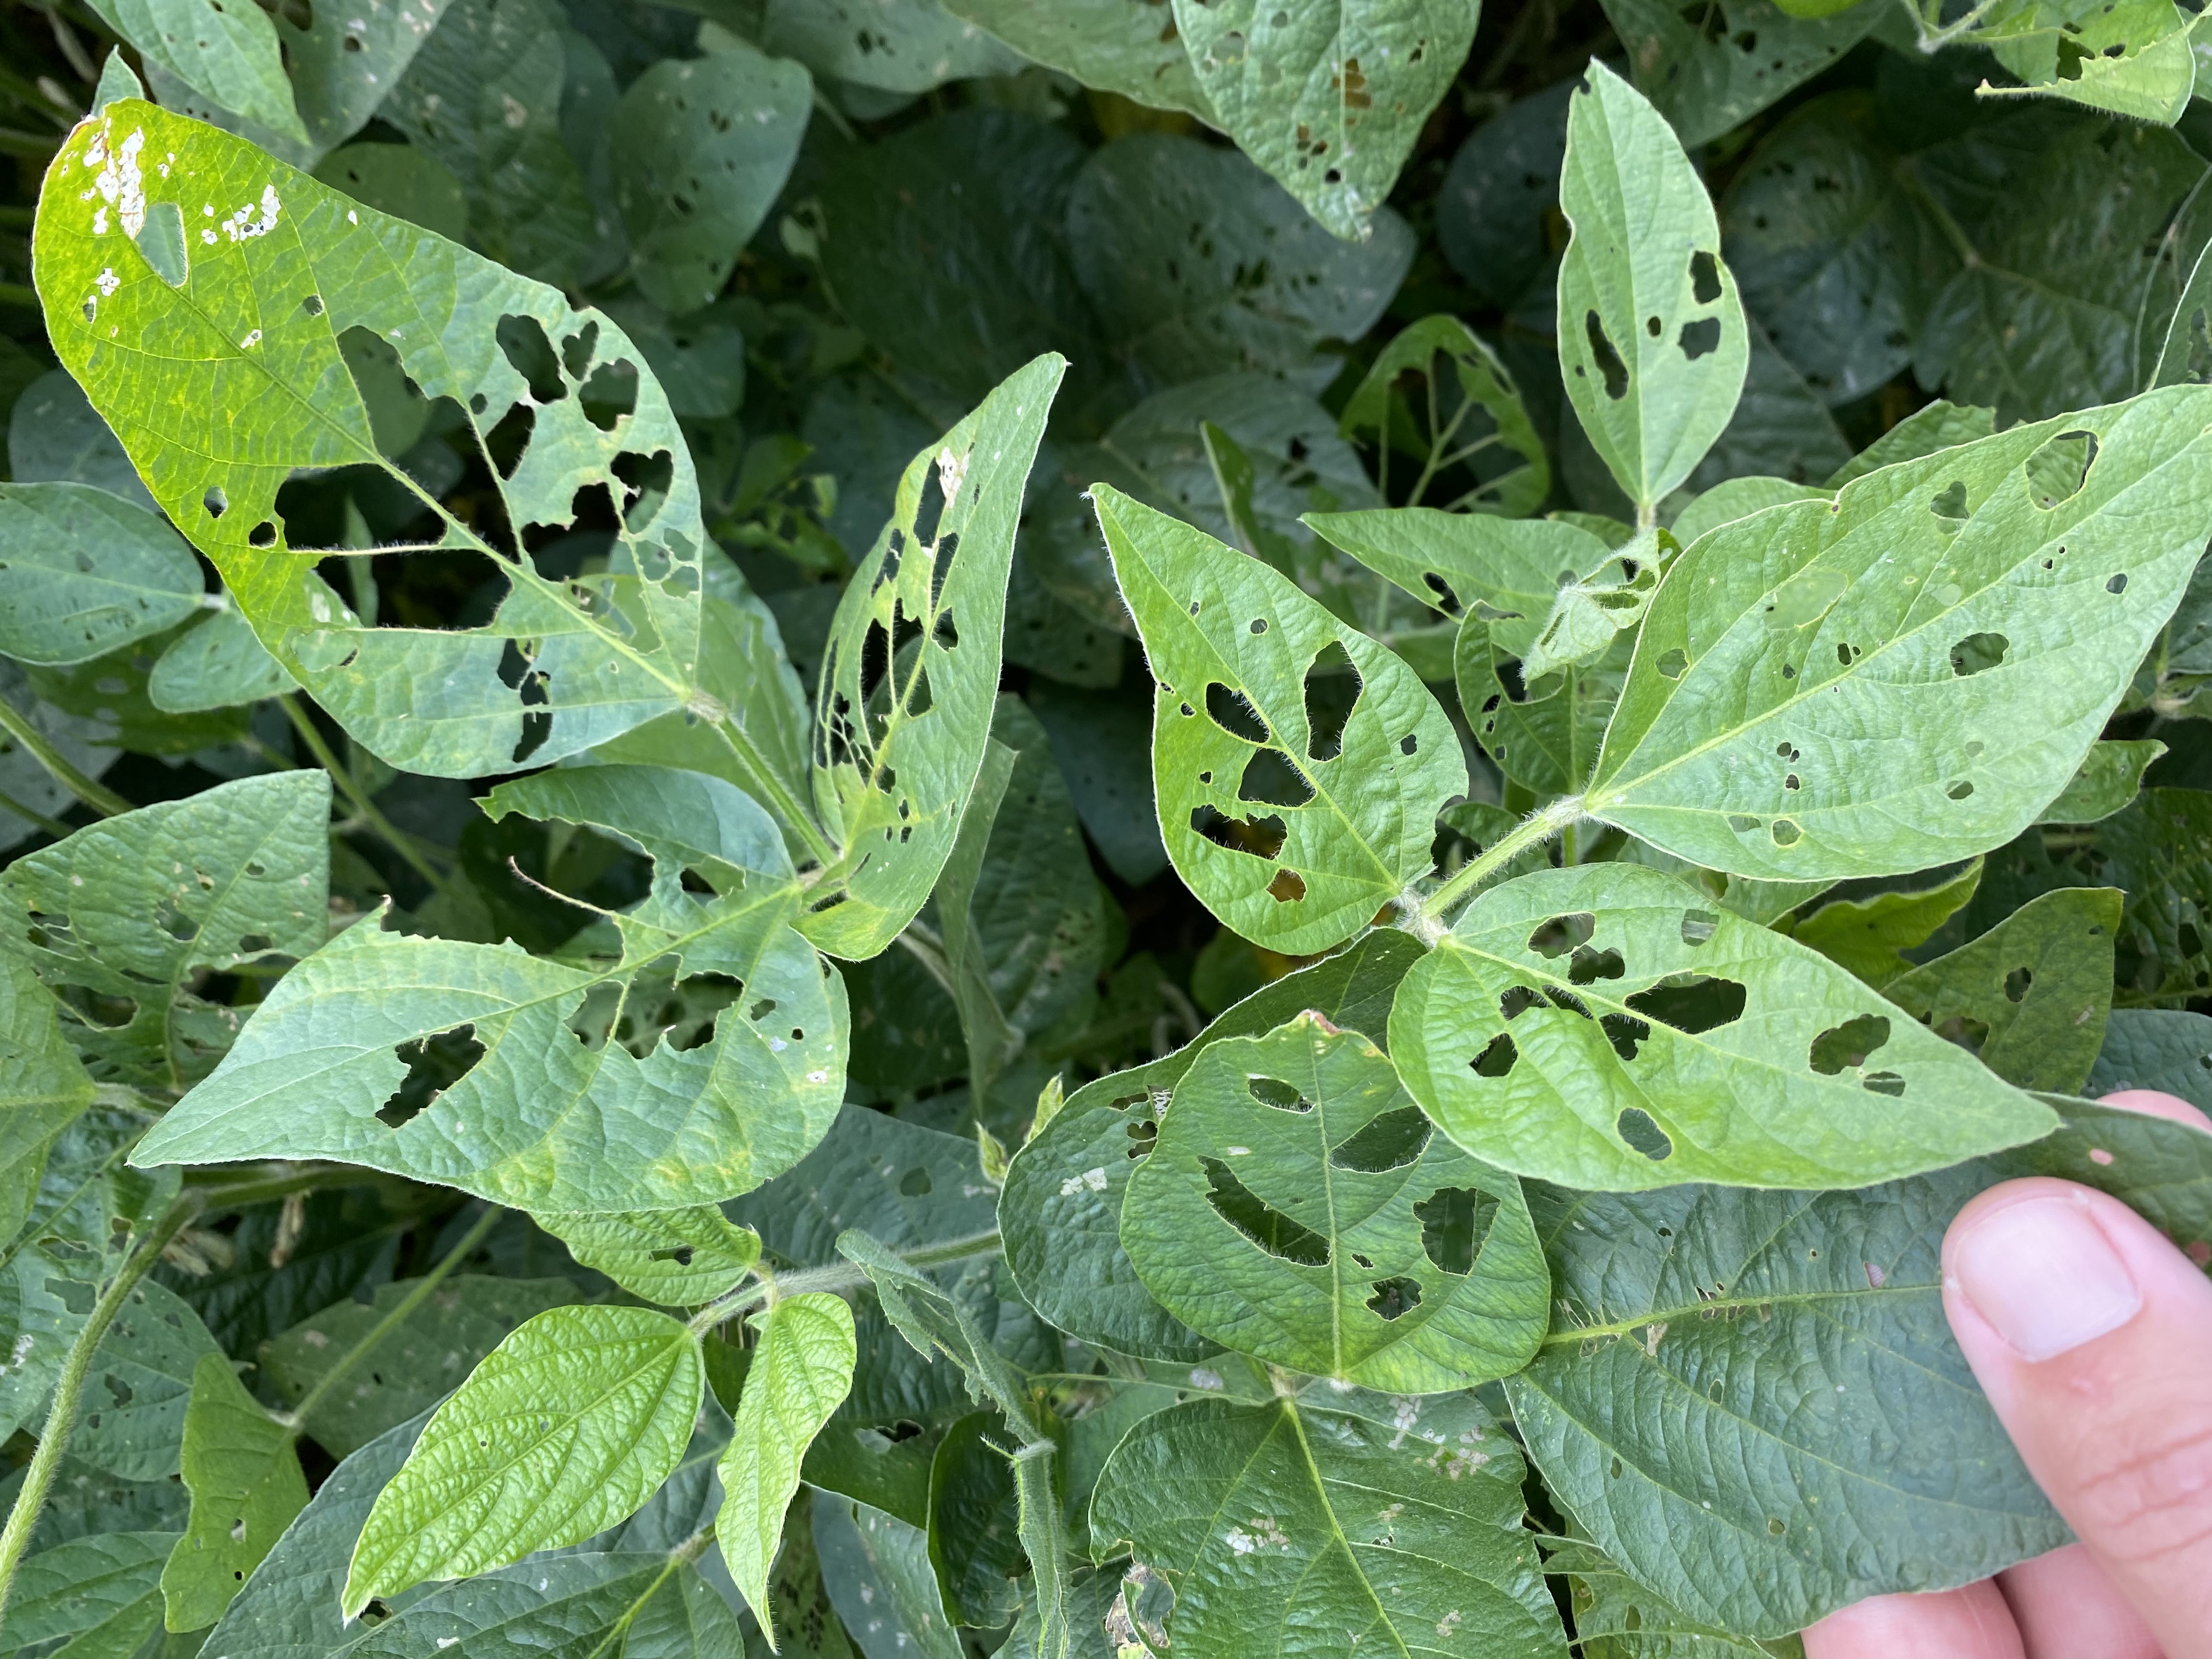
(2091, 1336)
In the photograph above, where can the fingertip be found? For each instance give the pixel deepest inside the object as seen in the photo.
(1972, 1622)
(2155, 1102)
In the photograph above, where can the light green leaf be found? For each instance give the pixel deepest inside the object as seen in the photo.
(1602, 1027)
(2110, 777)
(2002, 629)
(1869, 936)
(899, 739)
(1939, 425)
(515, 1084)
(218, 664)
(2162, 1048)
(1317, 828)
(1118, 45)
(566, 1429)
(414, 1365)
(1738, 498)
(136, 907)
(701, 149)
(43, 1088)
(1282, 1527)
(1329, 97)
(142, 1380)
(1061, 1209)
(801, 1370)
(117, 81)
(55, 435)
(678, 1258)
(97, 1597)
(86, 573)
(1707, 72)
(1345, 1240)
(1653, 342)
(246, 1487)
(2030, 996)
(895, 46)
(1474, 459)
(1200, 263)
(228, 54)
(344, 64)
(2133, 58)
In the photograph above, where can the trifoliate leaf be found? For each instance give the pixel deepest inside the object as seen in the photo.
(566, 1429)
(2133, 58)
(1653, 344)
(678, 1258)
(1118, 45)
(1355, 1515)
(2162, 1048)
(86, 573)
(246, 1487)
(1480, 426)
(228, 54)
(1298, 1207)
(1987, 603)
(1607, 1026)
(1293, 830)
(1869, 936)
(119, 919)
(800, 1371)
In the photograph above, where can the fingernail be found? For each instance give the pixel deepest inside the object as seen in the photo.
(2044, 1275)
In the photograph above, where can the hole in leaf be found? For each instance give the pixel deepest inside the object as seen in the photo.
(1606, 359)
(610, 397)
(2056, 471)
(1328, 706)
(1691, 1003)
(1587, 966)
(1626, 1033)
(312, 305)
(648, 478)
(1273, 1091)
(1847, 1044)
(1698, 339)
(434, 1064)
(1393, 1297)
(1262, 837)
(1960, 790)
(2118, 584)
(1672, 662)
(1977, 652)
(1950, 501)
(1642, 1132)
(1785, 832)
(1390, 1141)
(1554, 938)
(1287, 888)
(1699, 926)
(2016, 983)
(216, 502)
(522, 341)
(1270, 779)
(1455, 1220)
(1884, 1083)
(1233, 713)
(1259, 1221)
(915, 1183)
(1516, 1001)
(1704, 277)
(263, 534)
(1496, 1058)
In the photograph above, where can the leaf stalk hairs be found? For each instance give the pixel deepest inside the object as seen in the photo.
(1424, 917)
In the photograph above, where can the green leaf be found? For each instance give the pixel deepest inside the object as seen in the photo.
(2111, 776)
(117, 81)
(1463, 377)
(566, 1428)
(43, 1088)
(2157, 850)
(2030, 995)
(88, 573)
(1351, 1513)
(141, 1382)
(218, 664)
(1601, 1026)
(2000, 633)
(399, 180)
(973, 1512)
(2160, 1049)
(1738, 498)
(702, 149)
(1061, 1207)
(1345, 1240)
(895, 46)
(413, 1365)
(876, 1572)
(135, 908)
(515, 1082)
(800, 1371)
(1328, 98)
(1653, 344)
(1869, 936)
(2132, 58)
(901, 738)
(1318, 830)
(1103, 748)
(1118, 45)
(678, 1258)
(226, 53)
(93, 1597)
(55, 435)
(246, 1487)
(111, 700)
(1939, 425)
(1616, 1618)
(342, 68)
(1199, 264)
(1709, 72)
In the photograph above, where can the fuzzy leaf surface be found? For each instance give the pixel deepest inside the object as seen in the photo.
(677, 1258)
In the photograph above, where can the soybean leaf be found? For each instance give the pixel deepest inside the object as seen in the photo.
(344, 65)
(2162, 1048)
(399, 180)
(2017, 574)
(1345, 1240)
(86, 573)
(1738, 498)
(1616, 1618)
(110, 698)
(1707, 72)
(1653, 342)
(973, 1515)
(2030, 995)
(2133, 58)
(140, 1385)
(1501, 187)
(342, 1242)
(1061, 1205)
(1328, 98)
(911, 672)
(218, 664)
(246, 1487)
(54, 434)
(89, 1596)
(585, 1411)
(1198, 263)
(2157, 852)
(411, 1366)
(800, 1371)
(701, 149)
(120, 918)
(1869, 936)
(876, 1572)
(1601, 1026)
(43, 1088)
(678, 1258)
(1293, 834)
(2110, 777)
(479, 1067)
(897, 46)
(1118, 45)
(1274, 1523)
(1474, 459)
(226, 53)
(1939, 425)
(1102, 747)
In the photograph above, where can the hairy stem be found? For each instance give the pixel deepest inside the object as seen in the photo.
(1424, 919)
(326, 758)
(102, 801)
(840, 1277)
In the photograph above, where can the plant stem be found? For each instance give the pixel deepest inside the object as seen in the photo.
(69, 1391)
(398, 840)
(838, 1279)
(31, 815)
(771, 790)
(17, 725)
(296, 1418)
(1426, 918)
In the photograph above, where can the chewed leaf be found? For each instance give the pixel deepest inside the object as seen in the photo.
(244, 1475)
(1910, 676)
(1608, 1027)
(678, 1258)
(1294, 828)
(1298, 1207)
(1653, 346)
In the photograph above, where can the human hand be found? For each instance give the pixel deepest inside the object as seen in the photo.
(2091, 1336)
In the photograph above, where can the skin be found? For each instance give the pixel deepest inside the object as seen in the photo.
(2104, 1390)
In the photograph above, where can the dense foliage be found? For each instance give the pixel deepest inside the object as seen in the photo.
(1073, 827)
